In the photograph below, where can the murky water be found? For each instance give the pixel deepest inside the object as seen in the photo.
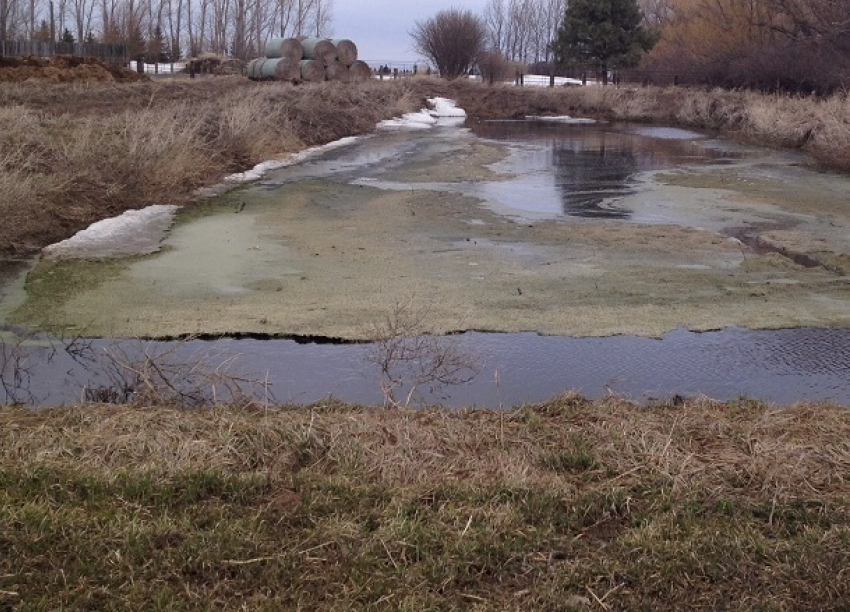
(581, 171)
(781, 366)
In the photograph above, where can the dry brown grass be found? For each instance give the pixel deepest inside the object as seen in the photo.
(71, 154)
(700, 505)
(64, 165)
(819, 126)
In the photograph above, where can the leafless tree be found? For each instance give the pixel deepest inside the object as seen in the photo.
(452, 39)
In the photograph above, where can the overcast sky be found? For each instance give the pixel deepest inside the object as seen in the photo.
(381, 28)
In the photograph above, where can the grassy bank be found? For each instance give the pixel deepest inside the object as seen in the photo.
(818, 126)
(565, 505)
(75, 153)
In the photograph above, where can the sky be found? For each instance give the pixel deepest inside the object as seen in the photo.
(381, 28)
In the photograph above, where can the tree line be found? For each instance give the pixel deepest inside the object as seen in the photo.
(788, 45)
(169, 29)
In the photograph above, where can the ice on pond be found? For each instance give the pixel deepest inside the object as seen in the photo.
(135, 232)
(667, 133)
(561, 119)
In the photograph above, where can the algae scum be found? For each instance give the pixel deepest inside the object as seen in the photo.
(599, 236)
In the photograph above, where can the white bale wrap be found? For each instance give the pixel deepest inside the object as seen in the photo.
(287, 48)
(280, 69)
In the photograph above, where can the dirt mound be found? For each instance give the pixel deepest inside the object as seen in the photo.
(63, 69)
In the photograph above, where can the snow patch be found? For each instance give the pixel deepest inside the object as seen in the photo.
(445, 113)
(541, 80)
(561, 119)
(258, 171)
(443, 107)
(135, 232)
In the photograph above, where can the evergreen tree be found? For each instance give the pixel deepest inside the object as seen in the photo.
(604, 34)
(43, 32)
(136, 44)
(157, 49)
(67, 37)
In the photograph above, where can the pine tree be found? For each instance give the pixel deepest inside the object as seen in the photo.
(604, 34)
(157, 49)
(43, 32)
(67, 37)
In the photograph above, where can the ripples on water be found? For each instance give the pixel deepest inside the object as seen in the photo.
(780, 366)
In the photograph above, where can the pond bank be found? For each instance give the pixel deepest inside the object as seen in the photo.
(693, 505)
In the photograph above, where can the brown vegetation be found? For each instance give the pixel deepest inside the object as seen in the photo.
(71, 154)
(64, 69)
(563, 505)
(74, 154)
(770, 45)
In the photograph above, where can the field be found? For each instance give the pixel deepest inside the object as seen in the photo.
(565, 505)
(73, 153)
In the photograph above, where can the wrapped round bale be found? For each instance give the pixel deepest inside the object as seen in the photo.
(336, 71)
(312, 70)
(280, 69)
(321, 49)
(359, 71)
(249, 68)
(287, 48)
(346, 51)
(254, 69)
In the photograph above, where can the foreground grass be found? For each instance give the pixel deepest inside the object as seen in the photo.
(564, 505)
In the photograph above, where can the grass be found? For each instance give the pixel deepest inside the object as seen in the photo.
(558, 506)
(119, 146)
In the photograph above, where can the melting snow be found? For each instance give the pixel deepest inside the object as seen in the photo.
(140, 231)
(561, 119)
(133, 232)
(262, 168)
(445, 113)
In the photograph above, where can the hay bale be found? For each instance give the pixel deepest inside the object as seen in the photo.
(250, 69)
(337, 71)
(255, 68)
(346, 51)
(280, 69)
(359, 71)
(312, 70)
(321, 49)
(286, 48)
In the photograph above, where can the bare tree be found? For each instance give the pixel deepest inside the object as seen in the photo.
(452, 39)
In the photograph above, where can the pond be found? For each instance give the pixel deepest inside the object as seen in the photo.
(604, 258)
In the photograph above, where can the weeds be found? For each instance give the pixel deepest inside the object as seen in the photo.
(410, 357)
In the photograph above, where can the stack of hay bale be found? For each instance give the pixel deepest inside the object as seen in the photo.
(309, 59)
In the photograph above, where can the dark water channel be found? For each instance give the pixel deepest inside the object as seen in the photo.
(561, 171)
(781, 366)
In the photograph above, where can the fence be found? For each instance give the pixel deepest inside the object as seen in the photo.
(115, 54)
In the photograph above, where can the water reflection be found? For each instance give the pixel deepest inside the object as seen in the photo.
(587, 167)
(781, 366)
